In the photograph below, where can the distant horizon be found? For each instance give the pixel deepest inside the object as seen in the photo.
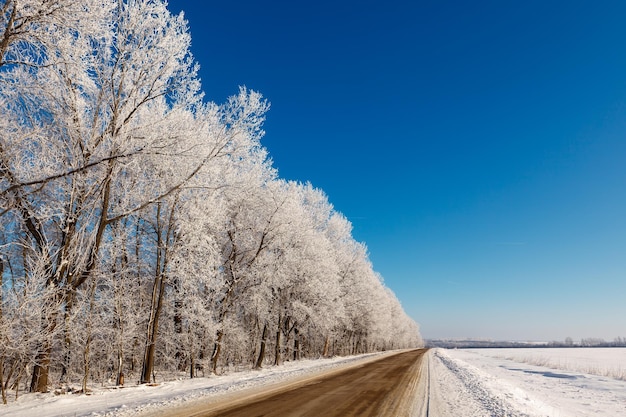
(480, 339)
(525, 340)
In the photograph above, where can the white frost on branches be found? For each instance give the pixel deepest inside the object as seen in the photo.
(143, 230)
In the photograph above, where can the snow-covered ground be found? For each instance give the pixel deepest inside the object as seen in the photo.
(609, 362)
(468, 383)
(145, 400)
(509, 382)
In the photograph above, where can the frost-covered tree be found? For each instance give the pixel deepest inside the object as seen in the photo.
(108, 126)
(143, 228)
(249, 228)
(304, 288)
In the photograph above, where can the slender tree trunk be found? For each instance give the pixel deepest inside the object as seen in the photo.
(261, 358)
(296, 345)
(192, 364)
(89, 335)
(277, 348)
(120, 367)
(178, 326)
(326, 345)
(217, 348)
(153, 326)
(2, 387)
(86, 362)
(14, 366)
(191, 353)
(158, 294)
(67, 339)
(120, 340)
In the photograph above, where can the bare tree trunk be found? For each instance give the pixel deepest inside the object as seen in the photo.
(17, 385)
(153, 325)
(86, 362)
(67, 340)
(2, 388)
(120, 368)
(277, 347)
(192, 354)
(89, 334)
(178, 326)
(39, 382)
(261, 358)
(120, 340)
(326, 345)
(158, 293)
(296, 345)
(217, 348)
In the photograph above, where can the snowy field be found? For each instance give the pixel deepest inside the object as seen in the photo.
(527, 382)
(610, 362)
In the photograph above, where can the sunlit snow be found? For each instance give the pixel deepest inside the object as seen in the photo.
(483, 382)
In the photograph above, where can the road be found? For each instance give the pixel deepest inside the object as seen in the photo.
(384, 387)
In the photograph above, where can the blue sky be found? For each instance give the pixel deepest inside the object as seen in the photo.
(479, 148)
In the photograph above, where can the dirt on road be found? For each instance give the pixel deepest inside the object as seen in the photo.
(384, 387)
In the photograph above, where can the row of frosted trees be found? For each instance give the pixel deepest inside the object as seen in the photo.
(143, 231)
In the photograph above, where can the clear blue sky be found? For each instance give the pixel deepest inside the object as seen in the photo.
(479, 148)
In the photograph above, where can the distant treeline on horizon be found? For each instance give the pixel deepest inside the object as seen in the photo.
(568, 342)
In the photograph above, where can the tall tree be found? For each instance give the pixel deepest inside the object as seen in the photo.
(85, 120)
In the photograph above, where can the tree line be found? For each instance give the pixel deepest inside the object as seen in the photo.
(143, 229)
(568, 342)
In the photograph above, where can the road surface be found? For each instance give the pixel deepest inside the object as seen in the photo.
(384, 387)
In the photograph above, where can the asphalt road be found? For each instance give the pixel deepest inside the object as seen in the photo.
(377, 388)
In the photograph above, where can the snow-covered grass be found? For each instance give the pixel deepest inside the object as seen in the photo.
(501, 382)
(609, 362)
(144, 400)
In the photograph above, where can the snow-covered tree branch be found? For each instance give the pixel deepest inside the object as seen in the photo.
(143, 229)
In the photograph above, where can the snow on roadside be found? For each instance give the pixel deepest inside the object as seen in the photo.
(458, 388)
(143, 399)
(529, 389)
